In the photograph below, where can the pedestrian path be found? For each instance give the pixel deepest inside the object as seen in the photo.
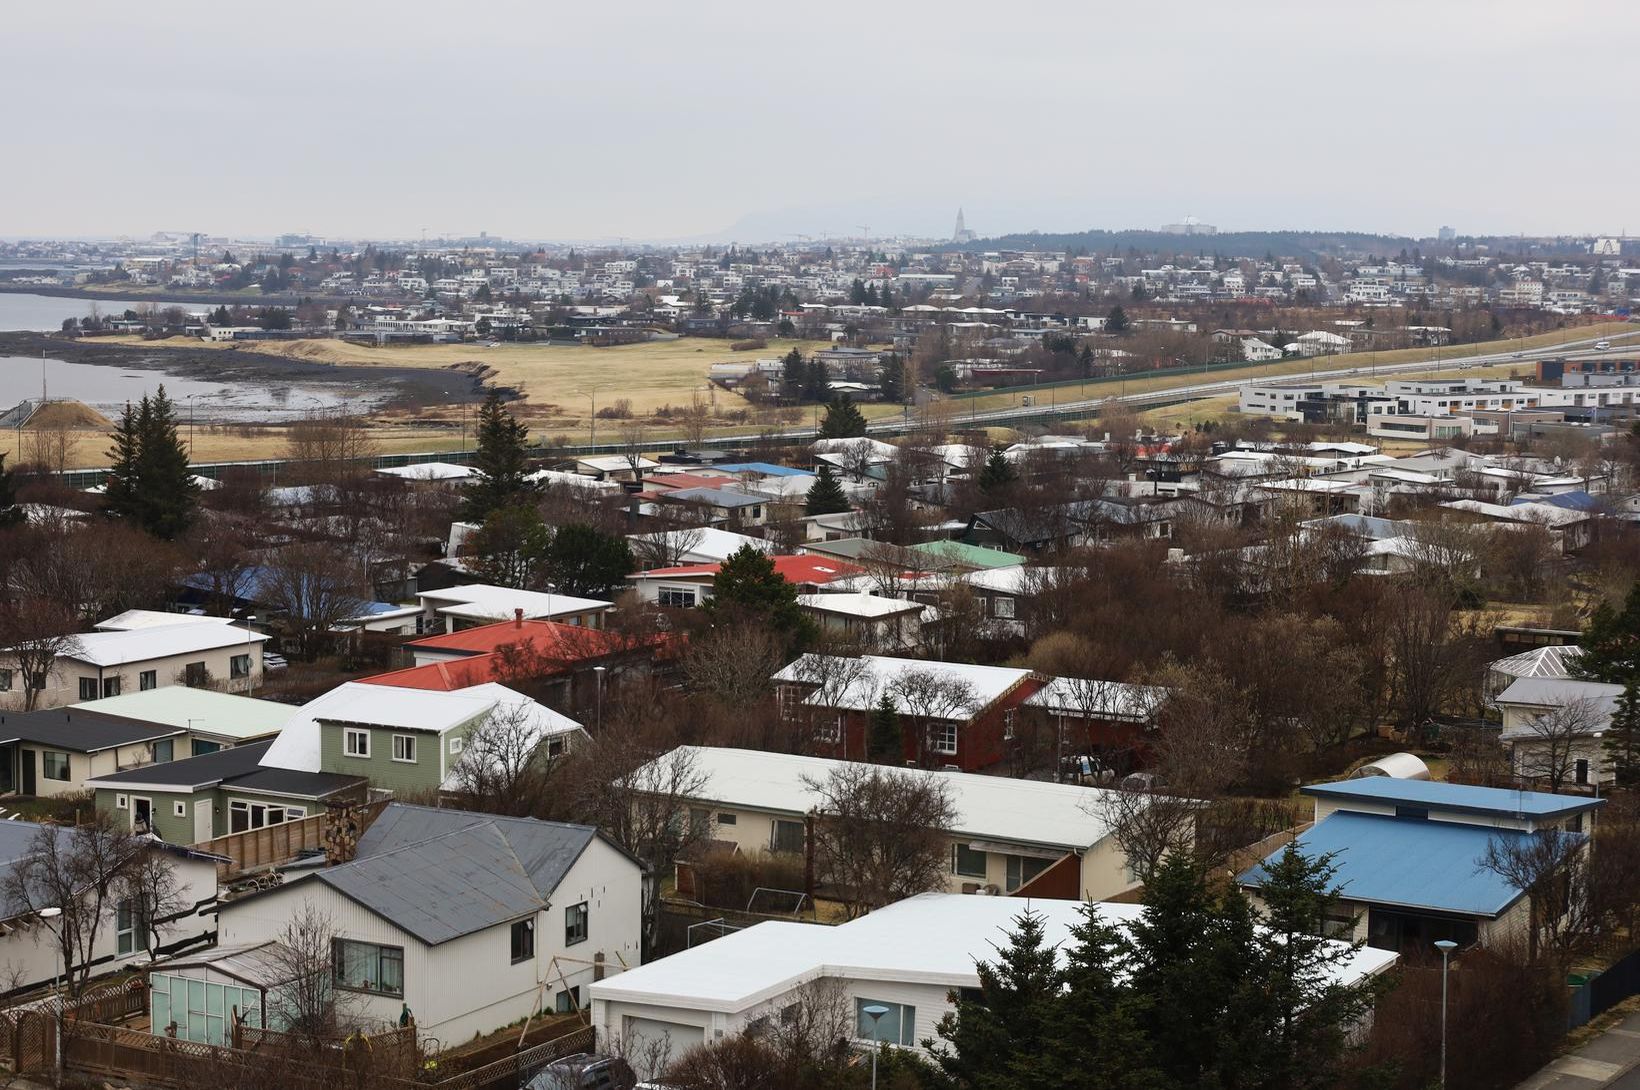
(1611, 1060)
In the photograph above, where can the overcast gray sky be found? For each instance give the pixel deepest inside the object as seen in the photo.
(751, 120)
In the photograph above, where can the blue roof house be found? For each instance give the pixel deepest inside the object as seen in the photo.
(1408, 856)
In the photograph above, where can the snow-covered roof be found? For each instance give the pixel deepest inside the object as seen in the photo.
(1101, 699)
(854, 604)
(705, 544)
(298, 745)
(1560, 692)
(614, 463)
(877, 674)
(430, 471)
(999, 808)
(487, 602)
(133, 619)
(1551, 662)
(933, 938)
(157, 642)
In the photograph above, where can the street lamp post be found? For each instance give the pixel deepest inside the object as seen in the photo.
(875, 1012)
(51, 914)
(599, 670)
(1445, 946)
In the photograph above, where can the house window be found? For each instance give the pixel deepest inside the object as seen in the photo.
(111, 686)
(830, 730)
(88, 688)
(355, 742)
(244, 816)
(942, 738)
(1580, 771)
(455, 746)
(130, 927)
(575, 924)
(5, 681)
(367, 967)
(54, 764)
(1022, 869)
(404, 748)
(555, 747)
(201, 747)
(179, 809)
(148, 679)
(967, 862)
(675, 597)
(239, 666)
(787, 837)
(165, 750)
(1010, 717)
(523, 941)
(568, 1002)
(121, 802)
(1002, 608)
(727, 819)
(195, 676)
(897, 1027)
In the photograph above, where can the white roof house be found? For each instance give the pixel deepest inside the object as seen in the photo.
(909, 956)
(120, 648)
(1060, 816)
(201, 711)
(879, 673)
(298, 746)
(700, 544)
(1552, 727)
(133, 619)
(1112, 700)
(447, 472)
(485, 603)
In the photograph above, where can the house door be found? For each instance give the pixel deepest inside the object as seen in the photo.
(29, 761)
(203, 830)
(142, 814)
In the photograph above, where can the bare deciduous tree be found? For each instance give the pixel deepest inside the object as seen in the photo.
(1554, 740)
(735, 662)
(505, 766)
(1550, 866)
(928, 697)
(880, 835)
(34, 631)
(316, 586)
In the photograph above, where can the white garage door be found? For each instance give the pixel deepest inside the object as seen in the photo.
(650, 1044)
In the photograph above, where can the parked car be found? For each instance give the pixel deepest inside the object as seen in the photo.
(584, 1071)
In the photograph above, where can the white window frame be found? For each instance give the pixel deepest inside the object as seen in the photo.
(179, 809)
(455, 745)
(937, 735)
(121, 802)
(404, 743)
(348, 736)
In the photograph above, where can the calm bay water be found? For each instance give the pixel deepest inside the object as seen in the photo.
(45, 313)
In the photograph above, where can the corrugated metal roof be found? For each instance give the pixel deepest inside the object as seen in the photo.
(1408, 862)
(1553, 661)
(441, 874)
(1462, 798)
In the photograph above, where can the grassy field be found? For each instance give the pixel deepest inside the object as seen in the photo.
(555, 381)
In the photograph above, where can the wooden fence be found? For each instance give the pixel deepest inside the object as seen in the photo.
(512, 1071)
(257, 849)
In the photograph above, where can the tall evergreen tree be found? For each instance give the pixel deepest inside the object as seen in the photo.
(748, 588)
(891, 379)
(150, 483)
(1611, 642)
(998, 1037)
(815, 380)
(826, 494)
(10, 513)
(997, 475)
(883, 739)
(586, 561)
(794, 375)
(843, 419)
(1117, 320)
(501, 459)
(1622, 744)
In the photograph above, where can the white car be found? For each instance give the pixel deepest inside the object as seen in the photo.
(1601, 346)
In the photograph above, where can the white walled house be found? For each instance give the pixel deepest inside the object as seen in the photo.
(29, 955)
(1552, 728)
(911, 957)
(1008, 833)
(471, 920)
(108, 663)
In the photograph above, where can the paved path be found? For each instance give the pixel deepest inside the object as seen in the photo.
(1611, 1061)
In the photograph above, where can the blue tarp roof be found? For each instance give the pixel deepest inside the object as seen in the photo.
(1408, 862)
(1462, 798)
(251, 586)
(768, 469)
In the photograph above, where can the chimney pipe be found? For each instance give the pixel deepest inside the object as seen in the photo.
(518, 618)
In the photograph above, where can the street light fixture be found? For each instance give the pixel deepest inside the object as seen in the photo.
(51, 913)
(1445, 946)
(600, 670)
(875, 1012)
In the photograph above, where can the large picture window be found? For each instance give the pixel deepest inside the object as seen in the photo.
(897, 1027)
(366, 967)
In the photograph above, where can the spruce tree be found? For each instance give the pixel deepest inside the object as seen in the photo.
(748, 588)
(826, 494)
(150, 483)
(10, 513)
(883, 740)
(815, 381)
(502, 462)
(1117, 320)
(843, 420)
(999, 1033)
(997, 475)
(1611, 642)
(1622, 744)
(794, 375)
(891, 379)
(586, 561)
